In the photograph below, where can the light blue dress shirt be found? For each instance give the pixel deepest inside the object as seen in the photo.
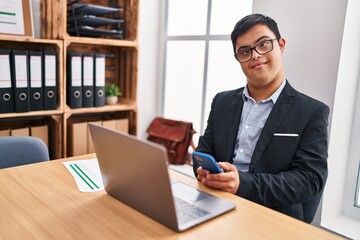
(253, 118)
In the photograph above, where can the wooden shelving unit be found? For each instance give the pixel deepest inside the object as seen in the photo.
(50, 118)
(121, 62)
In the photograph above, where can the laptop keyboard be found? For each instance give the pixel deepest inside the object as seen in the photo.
(187, 212)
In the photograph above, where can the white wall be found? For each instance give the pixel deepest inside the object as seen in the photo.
(313, 30)
(347, 80)
(149, 78)
(323, 60)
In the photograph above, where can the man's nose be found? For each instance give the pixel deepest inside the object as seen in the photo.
(254, 54)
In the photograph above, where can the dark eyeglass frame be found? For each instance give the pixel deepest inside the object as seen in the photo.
(254, 48)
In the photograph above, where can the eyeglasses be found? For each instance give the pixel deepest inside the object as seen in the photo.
(245, 54)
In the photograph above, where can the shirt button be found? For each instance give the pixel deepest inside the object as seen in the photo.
(241, 150)
(256, 105)
(246, 127)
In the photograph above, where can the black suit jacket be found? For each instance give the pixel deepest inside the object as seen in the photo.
(285, 171)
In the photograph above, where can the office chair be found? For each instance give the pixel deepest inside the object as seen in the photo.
(20, 150)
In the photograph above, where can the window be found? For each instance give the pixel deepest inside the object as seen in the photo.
(357, 194)
(351, 202)
(198, 56)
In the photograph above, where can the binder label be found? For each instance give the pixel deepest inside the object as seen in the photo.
(5, 76)
(88, 71)
(50, 70)
(35, 71)
(21, 71)
(76, 71)
(100, 72)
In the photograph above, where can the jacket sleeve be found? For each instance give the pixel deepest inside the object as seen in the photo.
(220, 134)
(206, 142)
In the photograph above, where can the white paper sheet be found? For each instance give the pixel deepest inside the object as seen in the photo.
(86, 174)
(11, 17)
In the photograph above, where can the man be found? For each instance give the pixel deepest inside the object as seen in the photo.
(270, 140)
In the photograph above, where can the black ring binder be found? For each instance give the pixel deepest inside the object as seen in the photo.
(50, 80)
(36, 80)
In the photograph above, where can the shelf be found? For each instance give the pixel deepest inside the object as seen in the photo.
(26, 122)
(120, 69)
(42, 45)
(100, 41)
(31, 114)
(29, 40)
(130, 106)
(57, 26)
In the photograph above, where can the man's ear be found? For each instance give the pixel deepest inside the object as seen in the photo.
(282, 43)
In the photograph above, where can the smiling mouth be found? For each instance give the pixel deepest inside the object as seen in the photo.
(258, 65)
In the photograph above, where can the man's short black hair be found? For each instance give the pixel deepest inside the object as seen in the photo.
(251, 20)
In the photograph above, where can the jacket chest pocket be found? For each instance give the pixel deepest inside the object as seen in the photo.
(278, 154)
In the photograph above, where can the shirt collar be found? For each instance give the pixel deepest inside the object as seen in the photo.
(272, 98)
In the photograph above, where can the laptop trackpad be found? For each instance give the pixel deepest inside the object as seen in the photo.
(187, 192)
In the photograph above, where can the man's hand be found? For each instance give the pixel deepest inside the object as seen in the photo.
(228, 181)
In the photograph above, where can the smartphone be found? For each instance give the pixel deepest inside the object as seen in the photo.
(206, 161)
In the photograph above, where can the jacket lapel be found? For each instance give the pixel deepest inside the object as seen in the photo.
(278, 113)
(236, 107)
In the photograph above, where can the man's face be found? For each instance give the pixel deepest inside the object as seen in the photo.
(262, 71)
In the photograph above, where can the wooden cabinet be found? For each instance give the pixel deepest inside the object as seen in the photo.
(121, 69)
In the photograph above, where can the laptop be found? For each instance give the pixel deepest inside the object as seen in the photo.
(135, 172)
